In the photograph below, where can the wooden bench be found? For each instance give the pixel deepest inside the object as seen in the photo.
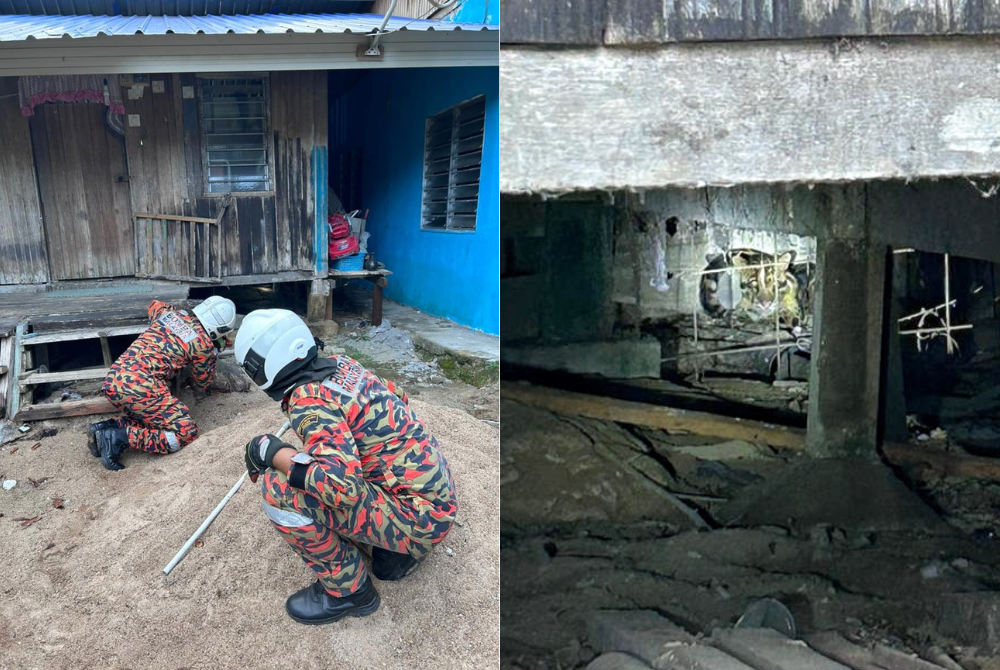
(380, 279)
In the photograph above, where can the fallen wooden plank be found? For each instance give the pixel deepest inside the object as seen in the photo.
(703, 423)
(58, 410)
(655, 416)
(84, 334)
(68, 376)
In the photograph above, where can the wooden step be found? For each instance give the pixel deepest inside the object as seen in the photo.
(68, 376)
(58, 410)
(83, 334)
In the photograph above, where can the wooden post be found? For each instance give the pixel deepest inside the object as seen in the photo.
(329, 300)
(377, 305)
(14, 400)
(106, 351)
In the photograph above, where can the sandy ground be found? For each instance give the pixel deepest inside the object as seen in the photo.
(82, 587)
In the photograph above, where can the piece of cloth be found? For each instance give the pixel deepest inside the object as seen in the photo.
(96, 88)
(378, 477)
(138, 382)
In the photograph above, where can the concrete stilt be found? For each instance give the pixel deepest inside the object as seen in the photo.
(845, 374)
(318, 292)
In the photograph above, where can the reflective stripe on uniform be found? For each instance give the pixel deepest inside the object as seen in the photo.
(284, 517)
(173, 444)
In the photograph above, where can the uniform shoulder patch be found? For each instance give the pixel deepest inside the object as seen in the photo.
(176, 325)
(347, 379)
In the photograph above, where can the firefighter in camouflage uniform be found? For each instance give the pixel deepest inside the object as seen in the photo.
(138, 383)
(370, 472)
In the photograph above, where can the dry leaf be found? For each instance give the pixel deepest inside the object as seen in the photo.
(28, 522)
(198, 543)
(14, 450)
(36, 445)
(57, 503)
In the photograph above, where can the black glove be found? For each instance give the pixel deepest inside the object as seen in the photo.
(260, 453)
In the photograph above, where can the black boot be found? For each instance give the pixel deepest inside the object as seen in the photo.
(390, 566)
(111, 443)
(313, 605)
(92, 433)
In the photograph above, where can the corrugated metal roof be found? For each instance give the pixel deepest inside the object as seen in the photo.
(182, 7)
(21, 27)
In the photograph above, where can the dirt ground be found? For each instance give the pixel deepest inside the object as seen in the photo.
(845, 545)
(82, 586)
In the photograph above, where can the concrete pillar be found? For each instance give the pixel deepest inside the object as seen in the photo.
(319, 290)
(893, 391)
(847, 333)
(845, 372)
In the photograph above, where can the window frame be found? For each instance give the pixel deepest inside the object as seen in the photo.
(456, 124)
(268, 134)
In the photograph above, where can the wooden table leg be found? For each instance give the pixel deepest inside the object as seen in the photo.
(377, 305)
(329, 301)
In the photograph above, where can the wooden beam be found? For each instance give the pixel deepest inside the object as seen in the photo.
(704, 423)
(654, 416)
(170, 217)
(68, 376)
(189, 280)
(58, 410)
(578, 149)
(956, 465)
(84, 334)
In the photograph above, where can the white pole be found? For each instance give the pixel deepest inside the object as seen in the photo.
(211, 517)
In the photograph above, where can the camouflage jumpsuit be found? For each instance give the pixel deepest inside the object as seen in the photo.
(378, 477)
(137, 383)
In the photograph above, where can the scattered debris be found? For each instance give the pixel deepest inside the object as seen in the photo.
(25, 428)
(14, 450)
(35, 483)
(26, 521)
(36, 445)
(58, 503)
(69, 395)
(48, 432)
(9, 484)
(449, 552)
(199, 543)
(50, 545)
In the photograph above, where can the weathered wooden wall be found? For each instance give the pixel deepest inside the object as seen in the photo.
(261, 234)
(80, 167)
(741, 113)
(625, 22)
(22, 242)
(299, 121)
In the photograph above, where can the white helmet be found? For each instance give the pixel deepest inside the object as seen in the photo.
(217, 315)
(272, 342)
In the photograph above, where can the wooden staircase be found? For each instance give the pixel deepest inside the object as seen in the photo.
(30, 356)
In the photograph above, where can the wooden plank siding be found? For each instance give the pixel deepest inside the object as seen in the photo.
(299, 122)
(261, 234)
(79, 164)
(22, 242)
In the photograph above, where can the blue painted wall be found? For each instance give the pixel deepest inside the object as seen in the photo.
(455, 275)
(477, 11)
